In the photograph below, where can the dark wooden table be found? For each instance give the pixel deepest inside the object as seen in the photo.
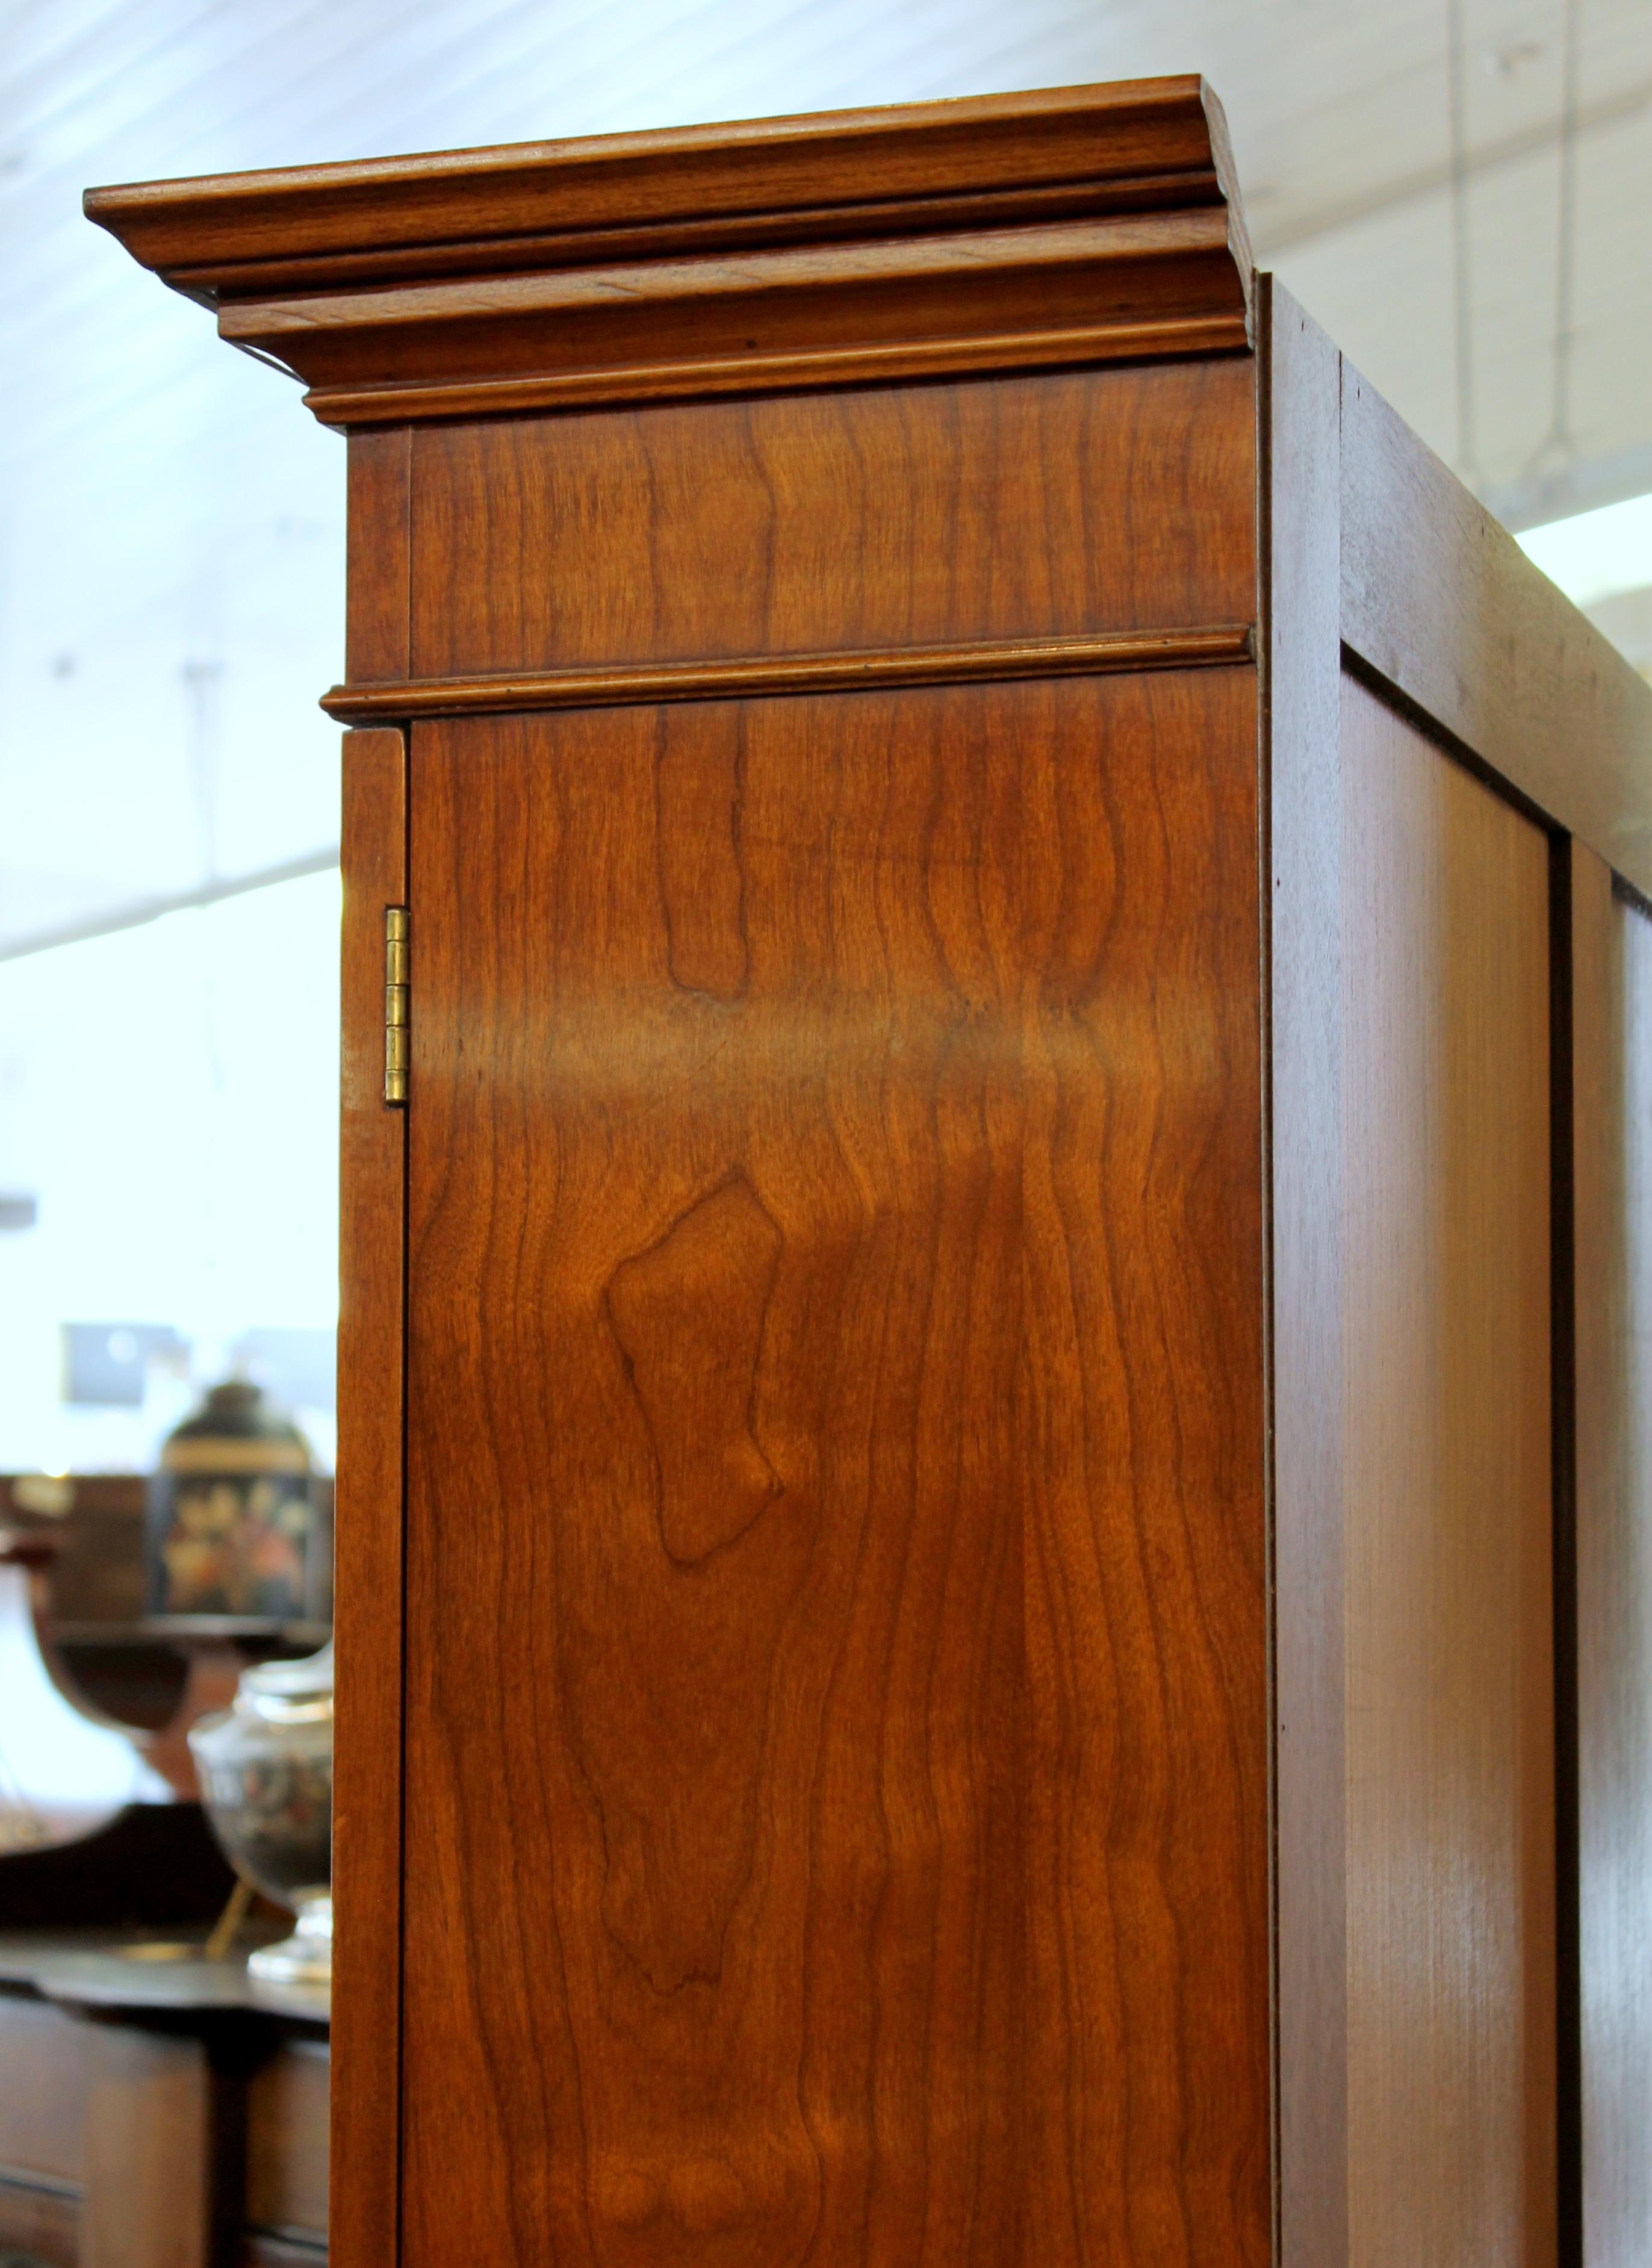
(152, 2114)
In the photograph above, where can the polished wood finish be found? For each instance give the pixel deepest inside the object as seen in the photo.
(149, 2152)
(1445, 609)
(1448, 633)
(879, 364)
(901, 519)
(195, 2131)
(44, 2071)
(1566, 2013)
(1098, 148)
(895, 1861)
(627, 685)
(378, 623)
(1611, 1029)
(1124, 285)
(1129, 245)
(286, 2151)
(1450, 1726)
(368, 1550)
(45, 2067)
(1302, 424)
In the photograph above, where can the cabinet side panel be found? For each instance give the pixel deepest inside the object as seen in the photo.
(1020, 507)
(1305, 833)
(1448, 1568)
(837, 1812)
(367, 1540)
(1612, 1031)
(1442, 602)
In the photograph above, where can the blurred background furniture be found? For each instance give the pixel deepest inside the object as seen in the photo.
(151, 2116)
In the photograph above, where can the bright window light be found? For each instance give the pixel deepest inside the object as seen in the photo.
(184, 1155)
(1595, 555)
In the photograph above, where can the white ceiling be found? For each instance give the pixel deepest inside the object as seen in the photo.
(171, 520)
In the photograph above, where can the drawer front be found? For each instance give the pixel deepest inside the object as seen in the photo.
(43, 2081)
(286, 2142)
(39, 2228)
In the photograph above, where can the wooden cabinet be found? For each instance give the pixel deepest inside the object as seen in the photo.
(150, 2118)
(988, 1377)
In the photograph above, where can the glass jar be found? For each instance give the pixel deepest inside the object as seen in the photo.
(266, 1773)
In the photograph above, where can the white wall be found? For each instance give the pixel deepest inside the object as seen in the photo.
(171, 1095)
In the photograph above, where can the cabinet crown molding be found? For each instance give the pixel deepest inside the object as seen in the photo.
(1065, 227)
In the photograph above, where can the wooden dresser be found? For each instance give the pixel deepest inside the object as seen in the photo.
(149, 2116)
(991, 1600)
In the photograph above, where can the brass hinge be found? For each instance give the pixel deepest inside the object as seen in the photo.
(396, 1037)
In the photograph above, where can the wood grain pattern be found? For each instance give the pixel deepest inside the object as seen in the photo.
(783, 369)
(1451, 1725)
(378, 619)
(836, 1801)
(150, 2199)
(1611, 1029)
(132, 2140)
(1569, 2055)
(688, 234)
(838, 522)
(1444, 605)
(630, 683)
(43, 2073)
(1127, 268)
(1110, 267)
(1077, 225)
(286, 2141)
(1303, 734)
(1135, 132)
(368, 1530)
(1106, 291)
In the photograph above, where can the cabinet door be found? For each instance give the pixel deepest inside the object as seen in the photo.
(837, 1815)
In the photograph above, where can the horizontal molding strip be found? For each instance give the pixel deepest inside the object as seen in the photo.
(755, 167)
(1081, 198)
(641, 685)
(396, 402)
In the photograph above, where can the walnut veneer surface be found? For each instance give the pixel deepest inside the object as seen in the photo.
(850, 1110)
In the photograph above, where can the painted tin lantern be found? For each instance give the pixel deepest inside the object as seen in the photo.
(232, 1520)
